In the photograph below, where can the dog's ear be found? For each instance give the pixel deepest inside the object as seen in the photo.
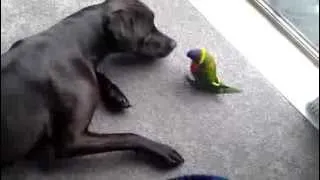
(128, 27)
(120, 24)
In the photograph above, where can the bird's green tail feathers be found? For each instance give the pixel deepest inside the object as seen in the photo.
(220, 89)
(224, 89)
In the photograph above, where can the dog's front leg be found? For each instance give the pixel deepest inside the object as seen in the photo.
(90, 143)
(111, 95)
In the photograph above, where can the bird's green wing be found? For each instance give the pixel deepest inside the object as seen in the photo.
(210, 69)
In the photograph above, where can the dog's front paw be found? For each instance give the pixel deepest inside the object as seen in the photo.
(114, 100)
(116, 103)
(121, 101)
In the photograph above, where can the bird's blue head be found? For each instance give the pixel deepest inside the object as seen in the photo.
(194, 54)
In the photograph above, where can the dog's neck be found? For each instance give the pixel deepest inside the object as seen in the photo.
(88, 32)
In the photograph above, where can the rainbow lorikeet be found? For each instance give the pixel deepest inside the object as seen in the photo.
(204, 71)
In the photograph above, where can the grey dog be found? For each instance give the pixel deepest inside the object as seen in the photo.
(50, 85)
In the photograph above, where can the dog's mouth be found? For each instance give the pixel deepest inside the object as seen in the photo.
(155, 45)
(155, 53)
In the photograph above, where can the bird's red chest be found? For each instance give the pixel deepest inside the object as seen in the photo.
(194, 67)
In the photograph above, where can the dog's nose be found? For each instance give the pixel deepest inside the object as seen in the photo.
(173, 44)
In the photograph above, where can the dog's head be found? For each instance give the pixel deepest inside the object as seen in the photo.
(131, 24)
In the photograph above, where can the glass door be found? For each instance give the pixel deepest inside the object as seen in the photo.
(298, 19)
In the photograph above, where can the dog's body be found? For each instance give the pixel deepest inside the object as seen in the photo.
(50, 85)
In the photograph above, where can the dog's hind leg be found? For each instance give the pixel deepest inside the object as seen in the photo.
(73, 138)
(90, 143)
(76, 101)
